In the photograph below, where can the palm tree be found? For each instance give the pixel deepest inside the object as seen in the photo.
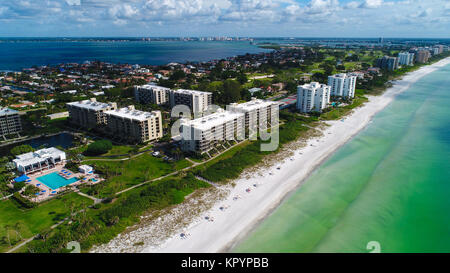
(17, 228)
(7, 227)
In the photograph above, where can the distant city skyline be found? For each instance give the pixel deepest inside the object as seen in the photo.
(254, 18)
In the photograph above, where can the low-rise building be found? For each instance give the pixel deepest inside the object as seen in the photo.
(9, 122)
(202, 134)
(342, 85)
(313, 97)
(134, 125)
(89, 113)
(151, 94)
(197, 101)
(40, 160)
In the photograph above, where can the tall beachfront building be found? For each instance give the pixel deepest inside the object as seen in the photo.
(9, 122)
(389, 63)
(259, 114)
(197, 101)
(422, 56)
(89, 113)
(313, 97)
(202, 134)
(151, 94)
(134, 125)
(342, 85)
(405, 58)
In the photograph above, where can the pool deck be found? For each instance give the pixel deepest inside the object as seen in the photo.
(48, 191)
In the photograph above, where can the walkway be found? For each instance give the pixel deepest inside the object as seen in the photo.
(207, 181)
(96, 200)
(177, 172)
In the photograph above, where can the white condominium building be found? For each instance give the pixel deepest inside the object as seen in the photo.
(259, 114)
(89, 113)
(405, 58)
(198, 101)
(134, 125)
(313, 97)
(44, 159)
(9, 122)
(342, 85)
(200, 135)
(151, 94)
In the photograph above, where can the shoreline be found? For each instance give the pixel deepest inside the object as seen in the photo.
(246, 210)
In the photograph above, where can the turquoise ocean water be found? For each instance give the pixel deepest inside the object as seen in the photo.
(390, 184)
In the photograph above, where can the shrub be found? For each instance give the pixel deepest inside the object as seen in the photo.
(18, 186)
(99, 147)
(23, 202)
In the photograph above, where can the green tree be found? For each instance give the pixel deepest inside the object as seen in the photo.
(231, 91)
(21, 149)
(99, 147)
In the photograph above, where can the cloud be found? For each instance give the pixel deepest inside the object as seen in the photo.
(234, 17)
(73, 2)
(371, 4)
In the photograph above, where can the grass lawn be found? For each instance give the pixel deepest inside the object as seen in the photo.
(350, 65)
(32, 221)
(123, 174)
(120, 150)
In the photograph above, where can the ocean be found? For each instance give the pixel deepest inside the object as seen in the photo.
(16, 55)
(389, 186)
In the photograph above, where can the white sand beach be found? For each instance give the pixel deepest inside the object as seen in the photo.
(236, 214)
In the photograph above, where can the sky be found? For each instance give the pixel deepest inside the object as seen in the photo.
(255, 18)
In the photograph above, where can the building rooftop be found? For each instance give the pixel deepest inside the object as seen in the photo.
(253, 104)
(131, 113)
(313, 85)
(6, 111)
(194, 92)
(91, 104)
(341, 75)
(218, 118)
(37, 156)
(152, 86)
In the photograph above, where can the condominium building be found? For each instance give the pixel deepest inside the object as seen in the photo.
(422, 56)
(313, 97)
(134, 125)
(9, 122)
(438, 49)
(151, 94)
(389, 63)
(259, 114)
(89, 113)
(198, 101)
(202, 134)
(40, 160)
(342, 85)
(405, 58)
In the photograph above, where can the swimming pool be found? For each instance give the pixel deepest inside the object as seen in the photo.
(55, 181)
